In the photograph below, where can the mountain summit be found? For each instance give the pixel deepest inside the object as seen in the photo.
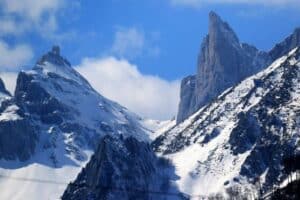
(53, 57)
(53, 123)
(223, 62)
(220, 31)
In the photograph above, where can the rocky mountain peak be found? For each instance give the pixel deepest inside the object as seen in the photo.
(219, 30)
(214, 17)
(56, 50)
(54, 58)
(223, 62)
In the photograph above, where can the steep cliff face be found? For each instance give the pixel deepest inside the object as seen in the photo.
(124, 169)
(242, 137)
(187, 98)
(17, 135)
(223, 62)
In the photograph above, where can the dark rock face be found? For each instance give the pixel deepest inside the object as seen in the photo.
(123, 169)
(245, 134)
(272, 134)
(32, 96)
(291, 192)
(17, 139)
(222, 63)
(17, 135)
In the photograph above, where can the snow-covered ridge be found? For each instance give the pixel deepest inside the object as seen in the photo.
(222, 144)
(230, 99)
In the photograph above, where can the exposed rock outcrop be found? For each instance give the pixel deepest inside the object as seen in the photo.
(223, 62)
(124, 169)
(17, 135)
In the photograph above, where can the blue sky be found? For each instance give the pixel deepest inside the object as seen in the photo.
(159, 40)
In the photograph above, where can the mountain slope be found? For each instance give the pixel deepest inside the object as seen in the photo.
(223, 62)
(62, 103)
(58, 122)
(242, 136)
(124, 169)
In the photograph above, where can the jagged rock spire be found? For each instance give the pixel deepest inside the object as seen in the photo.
(223, 62)
(54, 57)
(219, 30)
(56, 50)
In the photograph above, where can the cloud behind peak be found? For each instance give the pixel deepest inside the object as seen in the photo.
(147, 95)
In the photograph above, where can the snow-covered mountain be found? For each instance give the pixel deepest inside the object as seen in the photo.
(236, 143)
(61, 103)
(50, 127)
(239, 140)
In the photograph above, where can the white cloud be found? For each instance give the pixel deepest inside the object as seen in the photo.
(31, 8)
(132, 42)
(197, 3)
(147, 95)
(10, 80)
(13, 57)
(9, 27)
(29, 15)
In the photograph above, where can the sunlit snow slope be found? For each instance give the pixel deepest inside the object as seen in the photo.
(242, 136)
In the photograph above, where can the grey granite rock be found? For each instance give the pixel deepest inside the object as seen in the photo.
(223, 62)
